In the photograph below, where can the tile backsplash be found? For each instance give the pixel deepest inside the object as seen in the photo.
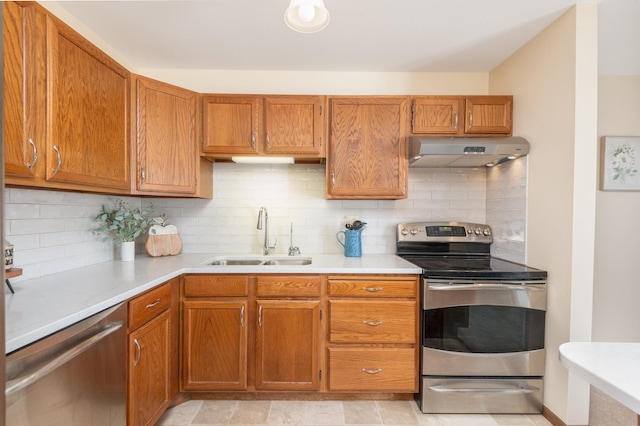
(51, 230)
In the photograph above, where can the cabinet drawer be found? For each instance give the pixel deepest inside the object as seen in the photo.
(149, 305)
(215, 285)
(284, 286)
(363, 321)
(373, 288)
(373, 369)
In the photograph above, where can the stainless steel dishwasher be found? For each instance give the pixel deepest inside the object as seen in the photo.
(74, 377)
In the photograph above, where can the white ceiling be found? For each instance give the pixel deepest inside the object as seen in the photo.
(363, 35)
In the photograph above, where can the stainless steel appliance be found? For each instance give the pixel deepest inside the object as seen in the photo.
(482, 322)
(76, 377)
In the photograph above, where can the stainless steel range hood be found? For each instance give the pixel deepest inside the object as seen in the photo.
(464, 152)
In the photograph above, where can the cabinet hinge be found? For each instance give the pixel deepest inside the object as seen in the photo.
(320, 374)
(320, 109)
(320, 314)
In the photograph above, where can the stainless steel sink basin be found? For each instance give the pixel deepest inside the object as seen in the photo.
(289, 262)
(260, 261)
(239, 262)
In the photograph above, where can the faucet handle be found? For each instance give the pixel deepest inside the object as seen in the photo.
(294, 251)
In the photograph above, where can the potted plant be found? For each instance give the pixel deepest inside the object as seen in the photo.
(123, 224)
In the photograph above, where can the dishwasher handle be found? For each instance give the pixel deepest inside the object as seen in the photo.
(15, 385)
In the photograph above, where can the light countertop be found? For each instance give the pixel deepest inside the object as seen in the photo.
(44, 305)
(614, 368)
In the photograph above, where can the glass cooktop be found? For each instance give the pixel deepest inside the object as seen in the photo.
(473, 267)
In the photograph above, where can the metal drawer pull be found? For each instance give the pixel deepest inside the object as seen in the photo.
(151, 305)
(242, 316)
(528, 389)
(260, 316)
(379, 370)
(35, 154)
(372, 322)
(138, 352)
(372, 289)
(55, 148)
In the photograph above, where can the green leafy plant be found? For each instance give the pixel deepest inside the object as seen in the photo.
(123, 223)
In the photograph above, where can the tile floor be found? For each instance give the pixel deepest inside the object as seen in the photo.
(329, 413)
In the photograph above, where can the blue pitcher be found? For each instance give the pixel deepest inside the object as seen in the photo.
(352, 242)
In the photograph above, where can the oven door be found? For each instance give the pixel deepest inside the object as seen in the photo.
(472, 328)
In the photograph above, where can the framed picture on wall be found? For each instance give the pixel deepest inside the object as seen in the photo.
(620, 163)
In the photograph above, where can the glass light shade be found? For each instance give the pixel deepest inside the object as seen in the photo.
(306, 16)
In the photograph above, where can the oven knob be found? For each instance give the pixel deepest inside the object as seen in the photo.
(478, 231)
(413, 231)
(486, 232)
(404, 231)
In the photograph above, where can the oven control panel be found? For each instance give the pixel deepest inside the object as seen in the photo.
(444, 232)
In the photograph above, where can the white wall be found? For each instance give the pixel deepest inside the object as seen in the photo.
(616, 286)
(554, 82)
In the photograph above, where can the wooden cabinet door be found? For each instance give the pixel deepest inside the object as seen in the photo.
(367, 148)
(232, 124)
(287, 348)
(168, 151)
(149, 371)
(87, 111)
(214, 345)
(489, 114)
(22, 145)
(437, 115)
(294, 125)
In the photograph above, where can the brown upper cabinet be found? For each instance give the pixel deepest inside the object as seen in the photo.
(167, 158)
(263, 125)
(367, 157)
(462, 115)
(69, 130)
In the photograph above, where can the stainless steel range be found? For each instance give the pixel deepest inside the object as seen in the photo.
(482, 321)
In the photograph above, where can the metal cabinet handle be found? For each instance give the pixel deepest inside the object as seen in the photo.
(253, 140)
(143, 176)
(35, 154)
(372, 322)
(373, 289)
(379, 370)
(24, 381)
(260, 316)
(333, 179)
(242, 316)
(151, 305)
(138, 352)
(268, 140)
(456, 123)
(55, 148)
(470, 119)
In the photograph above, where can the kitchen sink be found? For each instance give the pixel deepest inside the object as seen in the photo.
(260, 261)
(289, 262)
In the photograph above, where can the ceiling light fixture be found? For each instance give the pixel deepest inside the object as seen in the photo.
(306, 16)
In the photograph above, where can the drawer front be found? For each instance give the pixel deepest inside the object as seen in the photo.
(365, 321)
(149, 305)
(213, 285)
(373, 370)
(373, 288)
(284, 286)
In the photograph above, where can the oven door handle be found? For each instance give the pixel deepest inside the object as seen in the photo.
(503, 285)
(510, 391)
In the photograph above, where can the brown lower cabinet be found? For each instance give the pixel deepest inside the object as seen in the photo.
(152, 359)
(306, 333)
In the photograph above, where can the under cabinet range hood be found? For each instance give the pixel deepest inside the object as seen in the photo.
(464, 152)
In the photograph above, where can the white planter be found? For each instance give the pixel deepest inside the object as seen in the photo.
(128, 251)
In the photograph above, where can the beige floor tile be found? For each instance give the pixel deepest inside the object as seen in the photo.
(215, 412)
(251, 412)
(306, 413)
(180, 415)
(361, 413)
(397, 412)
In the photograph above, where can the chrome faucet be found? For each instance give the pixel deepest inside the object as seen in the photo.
(263, 214)
(293, 250)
